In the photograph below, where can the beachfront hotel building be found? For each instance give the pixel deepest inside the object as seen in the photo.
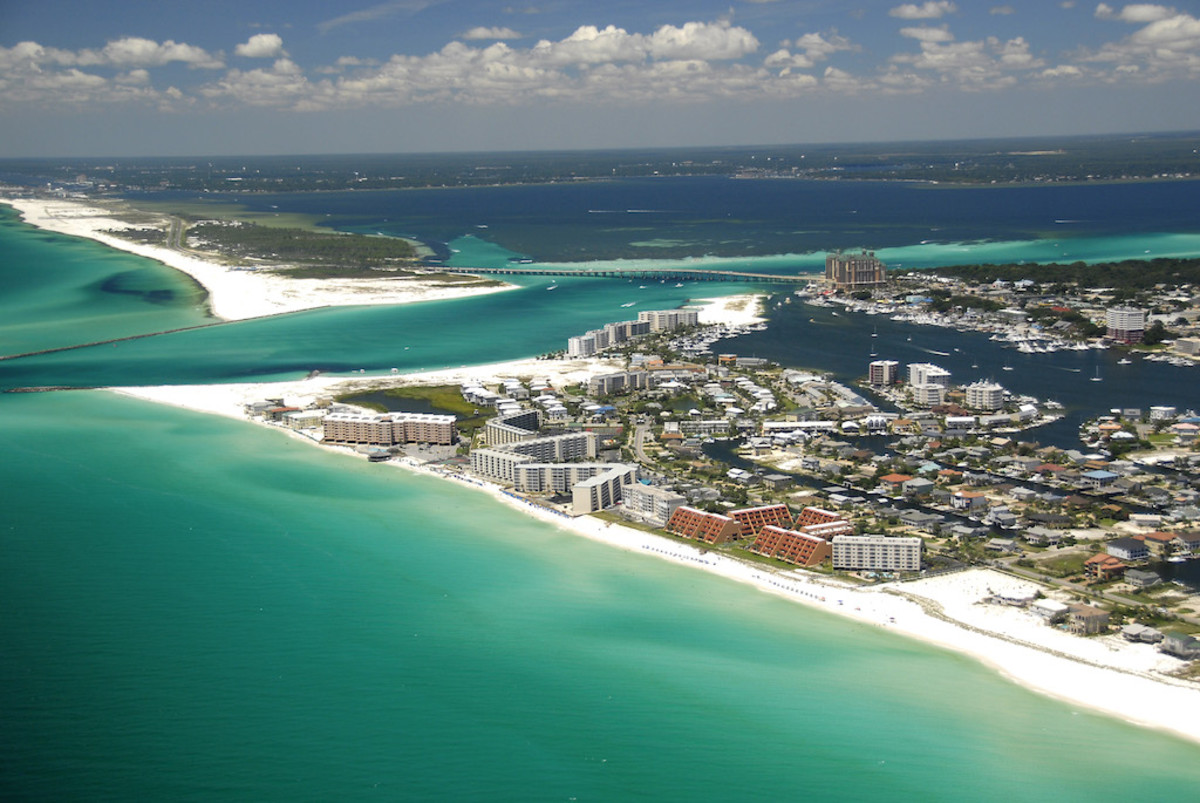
(852, 271)
(666, 320)
(883, 372)
(753, 519)
(511, 428)
(984, 396)
(792, 546)
(650, 504)
(500, 463)
(926, 373)
(711, 528)
(603, 489)
(1125, 324)
(877, 553)
(388, 429)
(551, 465)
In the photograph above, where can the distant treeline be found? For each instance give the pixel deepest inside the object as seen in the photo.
(1129, 274)
(302, 247)
(1000, 161)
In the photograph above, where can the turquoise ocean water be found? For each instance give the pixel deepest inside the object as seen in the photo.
(199, 609)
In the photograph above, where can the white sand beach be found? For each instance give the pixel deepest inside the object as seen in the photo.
(730, 310)
(1107, 674)
(236, 293)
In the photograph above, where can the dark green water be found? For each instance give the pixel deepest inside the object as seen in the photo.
(199, 609)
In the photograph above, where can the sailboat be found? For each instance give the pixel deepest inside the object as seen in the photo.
(1097, 378)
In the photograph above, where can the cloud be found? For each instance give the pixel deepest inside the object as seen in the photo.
(925, 34)
(815, 47)
(128, 52)
(491, 33)
(932, 9)
(984, 64)
(133, 51)
(1062, 71)
(381, 11)
(1164, 47)
(1002, 11)
(261, 46)
(1136, 13)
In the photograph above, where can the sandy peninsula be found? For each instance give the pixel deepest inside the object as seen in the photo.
(1130, 681)
(236, 293)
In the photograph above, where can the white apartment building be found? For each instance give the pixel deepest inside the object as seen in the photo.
(388, 429)
(925, 373)
(877, 553)
(984, 396)
(1125, 324)
(928, 395)
(666, 320)
(603, 490)
(650, 504)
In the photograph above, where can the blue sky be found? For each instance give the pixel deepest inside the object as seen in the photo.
(130, 77)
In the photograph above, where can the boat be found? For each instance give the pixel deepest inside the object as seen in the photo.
(552, 287)
(1124, 361)
(1097, 378)
(630, 304)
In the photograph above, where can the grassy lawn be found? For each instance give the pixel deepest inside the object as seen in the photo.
(444, 398)
(1063, 565)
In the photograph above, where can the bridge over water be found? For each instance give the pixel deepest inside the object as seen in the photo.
(671, 274)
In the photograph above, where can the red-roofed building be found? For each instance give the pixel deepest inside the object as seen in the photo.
(816, 515)
(823, 523)
(1103, 567)
(792, 546)
(711, 528)
(1158, 541)
(969, 500)
(894, 482)
(753, 519)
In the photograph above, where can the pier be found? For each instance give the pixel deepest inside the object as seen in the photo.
(656, 274)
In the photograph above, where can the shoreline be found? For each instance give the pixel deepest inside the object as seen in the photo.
(1104, 674)
(234, 294)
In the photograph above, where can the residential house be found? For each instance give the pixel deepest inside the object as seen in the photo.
(1140, 578)
(1159, 543)
(1181, 645)
(972, 501)
(1084, 620)
(1187, 544)
(1131, 549)
(1141, 633)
